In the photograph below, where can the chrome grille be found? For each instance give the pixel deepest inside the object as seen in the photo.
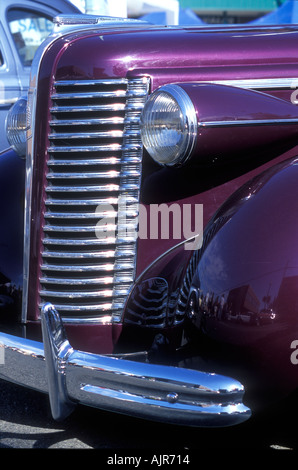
(95, 157)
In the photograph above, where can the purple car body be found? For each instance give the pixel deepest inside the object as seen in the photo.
(148, 322)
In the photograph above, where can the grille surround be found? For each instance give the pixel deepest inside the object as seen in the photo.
(94, 162)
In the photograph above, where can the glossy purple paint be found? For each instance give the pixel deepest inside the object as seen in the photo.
(234, 123)
(247, 277)
(182, 53)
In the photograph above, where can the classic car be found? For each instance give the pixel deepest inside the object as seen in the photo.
(150, 195)
(22, 28)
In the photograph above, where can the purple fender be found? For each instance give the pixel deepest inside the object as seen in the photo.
(244, 294)
(12, 177)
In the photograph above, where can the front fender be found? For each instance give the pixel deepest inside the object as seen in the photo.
(246, 281)
(12, 180)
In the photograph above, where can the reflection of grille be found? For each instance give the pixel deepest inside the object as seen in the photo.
(95, 153)
(185, 288)
(209, 233)
(148, 304)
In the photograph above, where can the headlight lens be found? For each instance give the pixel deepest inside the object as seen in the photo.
(169, 125)
(16, 126)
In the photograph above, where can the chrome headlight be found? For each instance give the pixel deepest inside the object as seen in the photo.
(17, 126)
(169, 125)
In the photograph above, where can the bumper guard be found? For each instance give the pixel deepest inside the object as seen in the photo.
(156, 392)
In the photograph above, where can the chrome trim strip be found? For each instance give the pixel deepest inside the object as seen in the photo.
(79, 282)
(79, 242)
(79, 269)
(91, 174)
(81, 255)
(91, 215)
(160, 257)
(74, 215)
(72, 109)
(86, 148)
(77, 228)
(87, 83)
(95, 148)
(78, 295)
(87, 122)
(259, 83)
(91, 95)
(94, 95)
(105, 318)
(50, 214)
(89, 162)
(66, 21)
(86, 135)
(161, 393)
(104, 307)
(83, 189)
(85, 202)
(250, 122)
(28, 194)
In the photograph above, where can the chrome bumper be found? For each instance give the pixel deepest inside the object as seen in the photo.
(156, 392)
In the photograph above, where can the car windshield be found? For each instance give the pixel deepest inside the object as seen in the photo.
(28, 30)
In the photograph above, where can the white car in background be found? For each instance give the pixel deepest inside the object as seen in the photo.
(23, 26)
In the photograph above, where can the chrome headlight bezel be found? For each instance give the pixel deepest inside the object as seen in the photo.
(16, 126)
(169, 126)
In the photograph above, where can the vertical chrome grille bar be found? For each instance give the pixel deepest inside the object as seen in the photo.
(93, 169)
